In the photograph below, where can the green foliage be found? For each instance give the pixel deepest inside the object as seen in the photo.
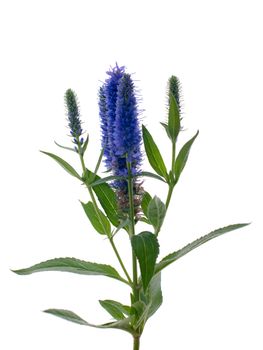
(152, 175)
(182, 158)
(72, 317)
(106, 197)
(154, 295)
(146, 248)
(156, 213)
(153, 154)
(115, 309)
(146, 199)
(72, 265)
(66, 166)
(165, 126)
(106, 179)
(108, 201)
(85, 145)
(169, 259)
(98, 220)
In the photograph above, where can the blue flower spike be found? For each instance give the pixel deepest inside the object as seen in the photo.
(121, 134)
(73, 116)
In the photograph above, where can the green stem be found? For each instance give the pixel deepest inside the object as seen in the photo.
(132, 233)
(120, 260)
(136, 343)
(93, 199)
(169, 196)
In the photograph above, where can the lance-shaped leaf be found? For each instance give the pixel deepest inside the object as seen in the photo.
(124, 223)
(154, 294)
(72, 317)
(98, 220)
(156, 213)
(153, 154)
(146, 248)
(115, 309)
(169, 259)
(85, 145)
(64, 147)
(182, 157)
(173, 119)
(106, 179)
(146, 199)
(72, 265)
(65, 165)
(165, 126)
(107, 199)
(149, 174)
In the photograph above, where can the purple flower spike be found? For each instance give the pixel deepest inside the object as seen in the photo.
(127, 136)
(121, 134)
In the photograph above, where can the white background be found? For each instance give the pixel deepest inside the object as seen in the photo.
(213, 296)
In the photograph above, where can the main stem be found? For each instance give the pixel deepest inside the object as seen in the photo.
(132, 233)
(136, 342)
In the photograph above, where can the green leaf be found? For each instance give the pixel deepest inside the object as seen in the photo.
(153, 298)
(156, 213)
(106, 179)
(67, 315)
(64, 147)
(149, 174)
(115, 309)
(154, 294)
(145, 202)
(64, 165)
(169, 259)
(72, 265)
(98, 220)
(146, 248)
(173, 119)
(153, 153)
(108, 201)
(85, 145)
(165, 126)
(140, 310)
(123, 224)
(182, 157)
(143, 219)
(72, 317)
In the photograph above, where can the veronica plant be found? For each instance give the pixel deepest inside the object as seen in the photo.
(118, 201)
